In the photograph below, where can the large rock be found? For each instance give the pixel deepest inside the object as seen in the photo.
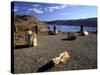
(62, 58)
(86, 33)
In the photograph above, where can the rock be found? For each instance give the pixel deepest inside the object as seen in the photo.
(35, 40)
(71, 36)
(86, 33)
(62, 58)
(56, 60)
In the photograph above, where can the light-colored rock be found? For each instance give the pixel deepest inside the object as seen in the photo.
(86, 33)
(34, 39)
(62, 58)
(30, 38)
(56, 32)
(56, 60)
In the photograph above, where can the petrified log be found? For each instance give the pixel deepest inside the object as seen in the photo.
(62, 58)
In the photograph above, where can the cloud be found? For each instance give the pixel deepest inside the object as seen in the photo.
(40, 10)
(52, 8)
(36, 10)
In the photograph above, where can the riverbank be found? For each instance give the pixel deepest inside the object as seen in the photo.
(83, 52)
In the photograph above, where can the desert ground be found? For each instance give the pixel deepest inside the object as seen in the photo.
(82, 50)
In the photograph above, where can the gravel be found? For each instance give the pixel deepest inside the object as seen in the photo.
(83, 52)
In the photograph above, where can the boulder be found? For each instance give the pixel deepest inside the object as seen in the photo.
(86, 33)
(62, 58)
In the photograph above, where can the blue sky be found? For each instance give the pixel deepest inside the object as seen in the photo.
(48, 12)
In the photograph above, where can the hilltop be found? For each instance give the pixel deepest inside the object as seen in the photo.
(23, 22)
(85, 22)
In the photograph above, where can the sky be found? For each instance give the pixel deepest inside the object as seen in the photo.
(50, 12)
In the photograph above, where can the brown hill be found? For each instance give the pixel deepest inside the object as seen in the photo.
(22, 22)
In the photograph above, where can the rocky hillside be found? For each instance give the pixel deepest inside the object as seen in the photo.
(22, 22)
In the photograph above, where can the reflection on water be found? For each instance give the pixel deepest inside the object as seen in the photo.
(65, 28)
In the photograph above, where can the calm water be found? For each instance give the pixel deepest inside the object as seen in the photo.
(65, 28)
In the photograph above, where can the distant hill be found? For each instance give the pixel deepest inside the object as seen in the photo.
(22, 22)
(85, 22)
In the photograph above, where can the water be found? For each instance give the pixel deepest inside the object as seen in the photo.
(64, 28)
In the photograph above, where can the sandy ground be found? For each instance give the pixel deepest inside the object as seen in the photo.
(83, 52)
